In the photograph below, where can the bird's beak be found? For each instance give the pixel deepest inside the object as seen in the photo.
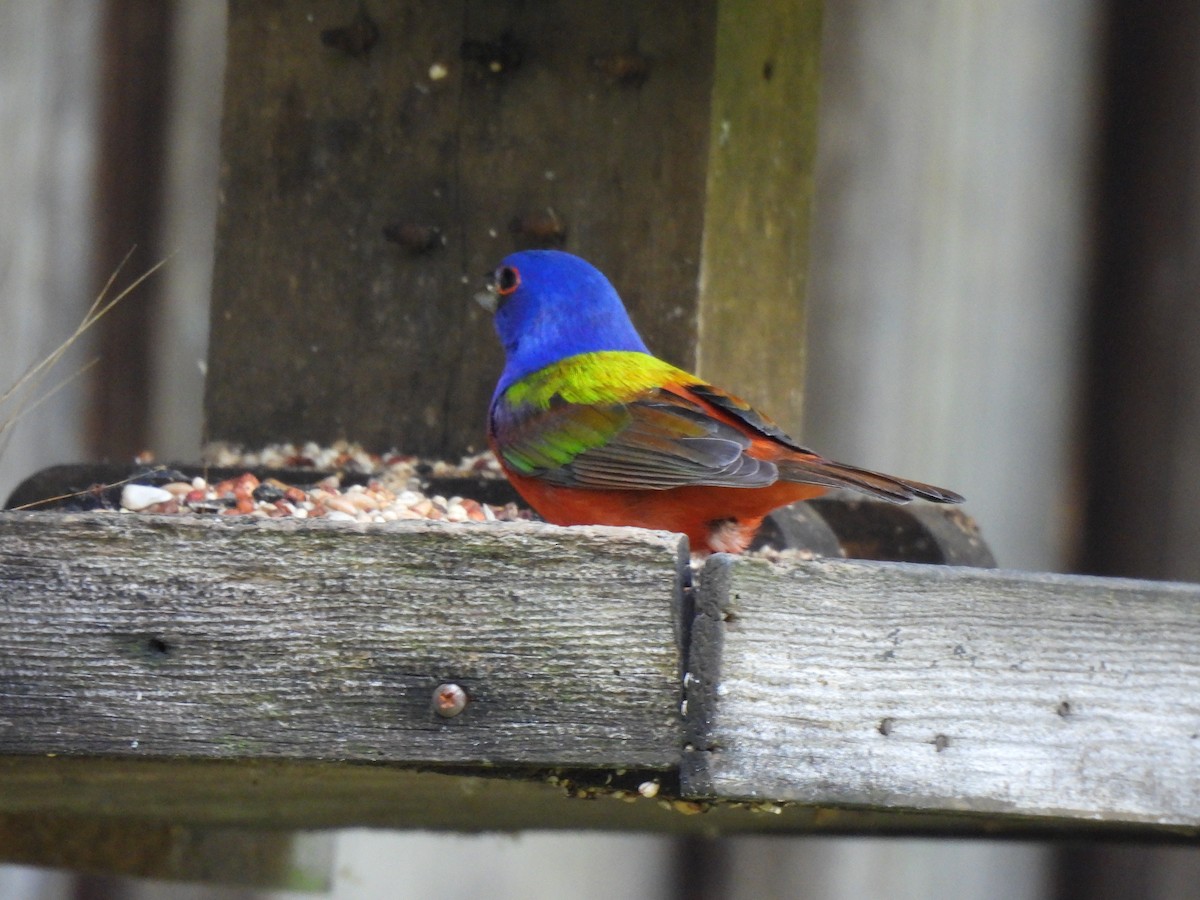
(488, 298)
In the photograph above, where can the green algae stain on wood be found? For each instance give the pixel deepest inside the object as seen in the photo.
(762, 152)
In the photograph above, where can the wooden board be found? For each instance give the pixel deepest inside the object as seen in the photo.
(242, 672)
(125, 798)
(324, 328)
(762, 147)
(235, 638)
(501, 126)
(938, 688)
(1143, 412)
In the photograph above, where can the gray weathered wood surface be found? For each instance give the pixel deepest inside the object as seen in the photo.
(936, 688)
(225, 638)
(241, 672)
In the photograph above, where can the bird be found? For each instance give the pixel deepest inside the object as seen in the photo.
(592, 429)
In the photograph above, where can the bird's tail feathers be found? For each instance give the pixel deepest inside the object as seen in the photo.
(815, 470)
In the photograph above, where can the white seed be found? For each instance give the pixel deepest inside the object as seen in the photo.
(648, 789)
(139, 496)
(341, 504)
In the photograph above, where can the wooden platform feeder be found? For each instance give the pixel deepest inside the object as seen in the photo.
(177, 695)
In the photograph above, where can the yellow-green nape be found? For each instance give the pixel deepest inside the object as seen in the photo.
(602, 377)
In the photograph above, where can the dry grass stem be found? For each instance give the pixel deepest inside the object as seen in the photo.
(23, 391)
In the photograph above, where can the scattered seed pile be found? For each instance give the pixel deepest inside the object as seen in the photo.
(388, 488)
(391, 469)
(391, 490)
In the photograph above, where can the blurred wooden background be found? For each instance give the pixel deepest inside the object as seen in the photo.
(1004, 277)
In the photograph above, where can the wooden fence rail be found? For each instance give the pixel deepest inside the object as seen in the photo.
(288, 675)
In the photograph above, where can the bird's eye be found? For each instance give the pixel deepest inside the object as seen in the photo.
(508, 280)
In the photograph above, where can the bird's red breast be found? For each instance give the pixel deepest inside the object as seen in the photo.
(714, 519)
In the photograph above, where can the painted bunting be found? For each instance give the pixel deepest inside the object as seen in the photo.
(592, 429)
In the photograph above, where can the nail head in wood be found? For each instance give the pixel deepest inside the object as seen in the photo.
(449, 700)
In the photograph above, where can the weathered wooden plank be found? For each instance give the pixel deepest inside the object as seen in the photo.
(762, 148)
(481, 121)
(215, 672)
(363, 193)
(928, 687)
(135, 59)
(245, 794)
(230, 638)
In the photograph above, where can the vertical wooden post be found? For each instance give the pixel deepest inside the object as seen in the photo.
(762, 151)
(135, 63)
(378, 159)
(1144, 415)
(1142, 487)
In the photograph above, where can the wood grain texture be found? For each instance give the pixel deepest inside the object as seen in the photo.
(321, 152)
(477, 119)
(223, 639)
(903, 686)
(762, 149)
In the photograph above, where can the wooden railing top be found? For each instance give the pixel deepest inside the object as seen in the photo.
(289, 674)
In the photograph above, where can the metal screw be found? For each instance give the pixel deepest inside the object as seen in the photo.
(449, 700)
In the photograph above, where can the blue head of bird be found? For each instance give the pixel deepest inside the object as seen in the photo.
(549, 305)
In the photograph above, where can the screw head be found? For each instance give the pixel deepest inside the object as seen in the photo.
(449, 700)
